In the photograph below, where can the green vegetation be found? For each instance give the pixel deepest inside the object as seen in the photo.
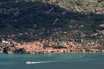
(31, 20)
(59, 47)
(74, 22)
(82, 5)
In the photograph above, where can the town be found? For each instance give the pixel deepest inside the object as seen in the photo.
(52, 44)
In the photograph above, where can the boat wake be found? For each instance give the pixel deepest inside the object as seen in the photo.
(29, 62)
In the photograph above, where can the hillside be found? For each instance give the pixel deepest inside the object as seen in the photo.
(46, 18)
(40, 26)
(83, 6)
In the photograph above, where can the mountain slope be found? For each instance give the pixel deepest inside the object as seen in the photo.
(42, 20)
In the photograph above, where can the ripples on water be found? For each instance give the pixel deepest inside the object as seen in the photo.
(52, 61)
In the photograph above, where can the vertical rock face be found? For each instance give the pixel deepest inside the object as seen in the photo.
(10, 50)
(1, 50)
(83, 50)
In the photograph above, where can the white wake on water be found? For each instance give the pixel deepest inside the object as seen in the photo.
(38, 62)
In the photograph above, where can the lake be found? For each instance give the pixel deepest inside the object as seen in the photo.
(52, 61)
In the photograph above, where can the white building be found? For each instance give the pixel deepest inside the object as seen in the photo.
(3, 41)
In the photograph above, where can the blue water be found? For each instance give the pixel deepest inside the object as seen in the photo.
(52, 61)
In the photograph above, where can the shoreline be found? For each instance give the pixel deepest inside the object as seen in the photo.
(53, 53)
(50, 53)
